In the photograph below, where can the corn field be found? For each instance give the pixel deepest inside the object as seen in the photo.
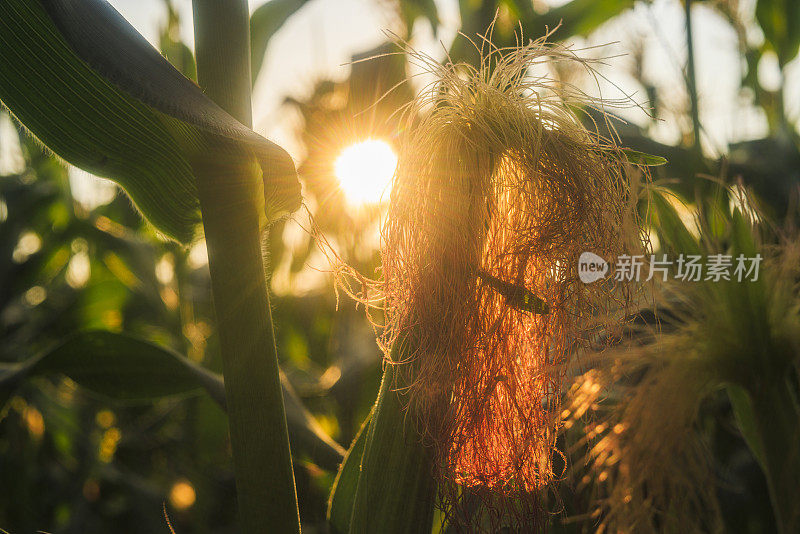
(399, 266)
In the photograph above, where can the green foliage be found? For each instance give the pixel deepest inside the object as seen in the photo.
(76, 78)
(343, 491)
(122, 290)
(411, 10)
(578, 17)
(118, 367)
(93, 92)
(780, 21)
(521, 9)
(128, 369)
(672, 232)
(746, 334)
(747, 421)
(177, 53)
(264, 23)
(640, 158)
(575, 18)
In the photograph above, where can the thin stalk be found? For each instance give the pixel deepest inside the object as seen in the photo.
(259, 436)
(691, 79)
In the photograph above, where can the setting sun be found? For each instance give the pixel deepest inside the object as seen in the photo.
(365, 170)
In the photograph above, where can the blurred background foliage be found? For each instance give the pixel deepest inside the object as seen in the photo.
(74, 255)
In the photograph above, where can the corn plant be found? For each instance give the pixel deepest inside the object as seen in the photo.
(91, 89)
(500, 186)
(646, 448)
(88, 87)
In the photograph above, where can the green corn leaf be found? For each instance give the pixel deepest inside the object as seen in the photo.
(780, 22)
(172, 47)
(306, 435)
(634, 157)
(343, 492)
(769, 419)
(574, 18)
(671, 230)
(411, 10)
(90, 88)
(742, 238)
(264, 23)
(521, 9)
(119, 367)
(124, 368)
(519, 297)
(746, 418)
(578, 17)
(643, 159)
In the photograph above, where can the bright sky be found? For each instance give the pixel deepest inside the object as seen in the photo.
(318, 41)
(312, 46)
(322, 36)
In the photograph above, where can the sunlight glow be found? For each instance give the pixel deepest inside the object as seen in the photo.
(182, 495)
(365, 171)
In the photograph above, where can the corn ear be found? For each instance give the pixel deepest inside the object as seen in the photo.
(396, 490)
(343, 493)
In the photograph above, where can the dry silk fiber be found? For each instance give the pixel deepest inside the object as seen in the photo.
(498, 191)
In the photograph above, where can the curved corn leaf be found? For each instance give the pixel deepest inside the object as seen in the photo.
(573, 18)
(769, 420)
(264, 23)
(634, 157)
(521, 9)
(672, 232)
(411, 10)
(746, 418)
(84, 82)
(128, 369)
(306, 435)
(640, 158)
(343, 492)
(780, 22)
(578, 17)
(519, 297)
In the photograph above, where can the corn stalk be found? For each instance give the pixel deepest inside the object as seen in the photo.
(232, 221)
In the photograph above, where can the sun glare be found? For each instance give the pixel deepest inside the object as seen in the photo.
(365, 171)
